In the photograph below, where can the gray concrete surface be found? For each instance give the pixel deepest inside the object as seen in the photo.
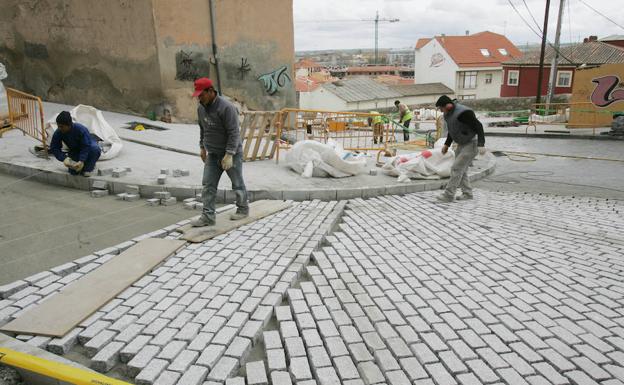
(42, 226)
(558, 175)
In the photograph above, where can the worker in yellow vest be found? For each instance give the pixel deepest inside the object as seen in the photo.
(377, 122)
(405, 117)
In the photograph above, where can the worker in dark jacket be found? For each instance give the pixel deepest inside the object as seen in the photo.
(465, 129)
(82, 152)
(221, 150)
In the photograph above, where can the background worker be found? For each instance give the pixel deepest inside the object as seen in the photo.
(405, 117)
(220, 149)
(465, 129)
(377, 122)
(83, 150)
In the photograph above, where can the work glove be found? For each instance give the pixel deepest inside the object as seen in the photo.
(227, 162)
(482, 151)
(78, 166)
(68, 162)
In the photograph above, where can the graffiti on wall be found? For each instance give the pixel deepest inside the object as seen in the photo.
(275, 80)
(244, 68)
(604, 93)
(191, 65)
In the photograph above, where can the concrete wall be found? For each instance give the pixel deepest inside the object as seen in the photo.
(321, 99)
(254, 38)
(433, 64)
(82, 51)
(143, 55)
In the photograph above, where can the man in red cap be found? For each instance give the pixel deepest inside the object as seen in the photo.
(220, 150)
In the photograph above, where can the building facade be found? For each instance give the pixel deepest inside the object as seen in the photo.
(141, 56)
(520, 75)
(470, 65)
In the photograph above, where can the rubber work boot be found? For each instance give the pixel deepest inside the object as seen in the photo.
(444, 197)
(464, 197)
(202, 221)
(238, 216)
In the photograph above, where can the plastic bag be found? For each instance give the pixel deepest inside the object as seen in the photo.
(326, 160)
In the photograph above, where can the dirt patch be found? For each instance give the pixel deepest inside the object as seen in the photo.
(9, 376)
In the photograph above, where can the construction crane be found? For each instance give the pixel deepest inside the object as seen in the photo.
(377, 20)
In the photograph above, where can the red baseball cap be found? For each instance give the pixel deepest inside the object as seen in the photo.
(200, 85)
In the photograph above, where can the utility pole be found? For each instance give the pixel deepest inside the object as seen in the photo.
(552, 81)
(540, 75)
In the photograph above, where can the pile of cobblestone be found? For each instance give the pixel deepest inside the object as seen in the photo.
(509, 288)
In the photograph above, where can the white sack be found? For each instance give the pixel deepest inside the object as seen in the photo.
(93, 119)
(427, 164)
(314, 159)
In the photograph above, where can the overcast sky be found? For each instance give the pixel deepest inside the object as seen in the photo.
(324, 24)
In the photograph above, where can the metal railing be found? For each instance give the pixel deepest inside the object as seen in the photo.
(26, 115)
(571, 115)
(354, 131)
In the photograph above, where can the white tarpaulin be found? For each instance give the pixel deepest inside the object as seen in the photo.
(314, 159)
(93, 119)
(427, 164)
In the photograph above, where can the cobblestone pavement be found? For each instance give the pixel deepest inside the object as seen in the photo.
(509, 288)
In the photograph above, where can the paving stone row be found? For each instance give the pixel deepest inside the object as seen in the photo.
(481, 292)
(509, 288)
(196, 317)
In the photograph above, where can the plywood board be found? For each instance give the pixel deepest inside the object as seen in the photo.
(72, 305)
(257, 210)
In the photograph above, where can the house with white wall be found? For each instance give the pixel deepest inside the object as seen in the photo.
(365, 94)
(471, 65)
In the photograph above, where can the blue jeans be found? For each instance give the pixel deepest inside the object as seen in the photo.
(89, 163)
(210, 182)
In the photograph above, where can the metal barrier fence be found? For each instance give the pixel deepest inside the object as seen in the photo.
(26, 114)
(571, 115)
(354, 131)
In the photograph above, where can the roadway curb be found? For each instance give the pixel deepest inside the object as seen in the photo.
(181, 192)
(554, 136)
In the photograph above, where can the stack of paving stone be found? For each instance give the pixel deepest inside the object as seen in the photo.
(131, 194)
(194, 203)
(99, 189)
(162, 198)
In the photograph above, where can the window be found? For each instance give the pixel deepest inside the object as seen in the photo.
(467, 97)
(488, 78)
(513, 76)
(564, 78)
(503, 51)
(485, 52)
(468, 80)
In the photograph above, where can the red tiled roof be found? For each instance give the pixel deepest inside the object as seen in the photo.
(307, 63)
(466, 50)
(305, 84)
(422, 41)
(372, 69)
(393, 79)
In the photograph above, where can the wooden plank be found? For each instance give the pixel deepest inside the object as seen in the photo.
(257, 210)
(248, 117)
(249, 135)
(272, 131)
(261, 133)
(72, 305)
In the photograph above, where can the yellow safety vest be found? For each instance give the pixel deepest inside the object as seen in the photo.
(408, 115)
(376, 118)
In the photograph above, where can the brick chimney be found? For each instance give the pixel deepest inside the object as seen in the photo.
(590, 38)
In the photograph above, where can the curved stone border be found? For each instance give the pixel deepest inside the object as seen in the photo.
(147, 191)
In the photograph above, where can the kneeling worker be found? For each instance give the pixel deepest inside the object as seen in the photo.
(83, 150)
(220, 149)
(465, 129)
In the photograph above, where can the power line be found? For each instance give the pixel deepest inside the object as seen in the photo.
(601, 14)
(539, 35)
(524, 20)
(531, 14)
